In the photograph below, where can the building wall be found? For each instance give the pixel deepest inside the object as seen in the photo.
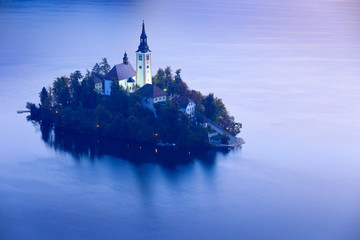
(99, 88)
(190, 109)
(149, 104)
(107, 87)
(143, 68)
(122, 83)
(160, 99)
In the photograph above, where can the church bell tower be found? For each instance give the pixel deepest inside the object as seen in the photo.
(143, 61)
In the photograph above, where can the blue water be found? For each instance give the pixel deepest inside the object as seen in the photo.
(288, 70)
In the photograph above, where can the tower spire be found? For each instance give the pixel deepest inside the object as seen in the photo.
(143, 47)
(125, 59)
(143, 29)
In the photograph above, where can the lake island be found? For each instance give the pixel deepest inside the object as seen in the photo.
(130, 104)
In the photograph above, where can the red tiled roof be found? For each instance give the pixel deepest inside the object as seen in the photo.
(150, 90)
(97, 79)
(182, 101)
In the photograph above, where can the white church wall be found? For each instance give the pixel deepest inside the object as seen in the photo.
(107, 87)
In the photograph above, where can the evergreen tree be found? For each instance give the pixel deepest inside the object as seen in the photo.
(87, 93)
(75, 78)
(180, 86)
(104, 67)
(76, 75)
(96, 71)
(44, 97)
(101, 69)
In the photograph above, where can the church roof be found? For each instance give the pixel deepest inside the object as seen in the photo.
(182, 101)
(130, 79)
(150, 90)
(120, 72)
(97, 79)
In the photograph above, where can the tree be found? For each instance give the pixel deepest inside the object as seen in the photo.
(104, 67)
(44, 97)
(168, 80)
(101, 69)
(61, 91)
(75, 78)
(103, 116)
(115, 88)
(210, 108)
(159, 78)
(76, 75)
(96, 71)
(224, 139)
(34, 111)
(180, 86)
(119, 97)
(87, 92)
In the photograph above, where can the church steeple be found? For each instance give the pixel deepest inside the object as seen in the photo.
(143, 47)
(125, 59)
(143, 61)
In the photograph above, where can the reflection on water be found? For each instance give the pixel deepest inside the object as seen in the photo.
(91, 147)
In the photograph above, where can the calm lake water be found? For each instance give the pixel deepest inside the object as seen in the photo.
(288, 70)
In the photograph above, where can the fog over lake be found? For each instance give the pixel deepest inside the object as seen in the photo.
(289, 71)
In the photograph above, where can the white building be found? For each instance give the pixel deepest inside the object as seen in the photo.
(122, 73)
(127, 77)
(99, 85)
(186, 105)
(143, 61)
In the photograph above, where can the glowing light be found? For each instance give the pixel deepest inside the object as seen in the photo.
(140, 147)
(189, 153)
(97, 125)
(156, 150)
(57, 111)
(165, 89)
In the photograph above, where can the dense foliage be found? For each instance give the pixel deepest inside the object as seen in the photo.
(72, 105)
(210, 106)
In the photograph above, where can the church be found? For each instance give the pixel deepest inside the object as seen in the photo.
(129, 78)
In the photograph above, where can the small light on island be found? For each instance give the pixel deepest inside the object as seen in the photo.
(155, 150)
